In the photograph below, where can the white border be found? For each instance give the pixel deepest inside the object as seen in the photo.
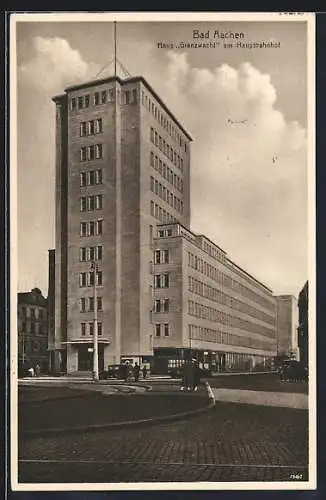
(164, 17)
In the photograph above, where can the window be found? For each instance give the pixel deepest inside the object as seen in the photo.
(158, 330)
(152, 183)
(86, 101)
(98, 176)
(99, 278)
(32, 313)
(80, 102)
(166, 305)
(91, 203)
(32, 327)
(157, 281)
(134, 96)
(166, 329)
(82, 304)
(152, 134)
(82, 129)
(157, 256)
(82, 254)
(82, 279)
(83, 155)
(91, 152)
(99, 202)
(169, 232)
(83, 229)
(91, 304)
(99, 328)
(96, 98)
(91, 127)
(73, 104)
(99, 252)
(157, 306)
(91, 253)
(165, 280)
(99, 151)
(83, 204)
(103, 96)
(91, 278)
(99, 303)
(152, 208)
(91, 178)
(91, 228)
(83, 179)
(165, 256)
(98, 126)
(99, 227)
(91, 328)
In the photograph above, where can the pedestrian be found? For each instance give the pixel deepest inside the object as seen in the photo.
(196, 376)
(126, 371)
(144, 371)
(136, 372)
(31, 371)
(37, 370)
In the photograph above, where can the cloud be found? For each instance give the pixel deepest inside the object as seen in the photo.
(55, 64)
(249, 168)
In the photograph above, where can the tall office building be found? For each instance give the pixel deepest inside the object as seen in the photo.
(122, 166)
(287, 325)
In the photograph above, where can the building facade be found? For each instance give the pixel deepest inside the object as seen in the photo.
(122, 166)
(303, 330)
(287, 325)
(32, 330)
(202, 300)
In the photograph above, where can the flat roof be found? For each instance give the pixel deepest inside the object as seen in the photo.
(132, 79)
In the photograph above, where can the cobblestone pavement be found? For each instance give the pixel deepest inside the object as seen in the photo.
(232, 442)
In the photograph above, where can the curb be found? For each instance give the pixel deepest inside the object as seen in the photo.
(127, 424)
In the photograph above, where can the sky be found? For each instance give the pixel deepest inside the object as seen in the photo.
(246, 110)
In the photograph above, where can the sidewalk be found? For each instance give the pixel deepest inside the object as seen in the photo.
(281, 399)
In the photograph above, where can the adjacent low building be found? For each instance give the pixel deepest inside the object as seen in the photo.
(204, 301)
(32, 329)
(287, 324)
(303, 330)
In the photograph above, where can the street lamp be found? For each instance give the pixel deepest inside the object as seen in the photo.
(95, 336)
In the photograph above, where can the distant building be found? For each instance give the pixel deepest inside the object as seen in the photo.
(303, 329)
(32, 329)
(287, 324)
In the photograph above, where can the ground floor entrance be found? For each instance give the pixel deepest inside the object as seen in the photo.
(85, 357)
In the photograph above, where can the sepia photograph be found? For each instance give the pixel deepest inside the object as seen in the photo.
(162, 182)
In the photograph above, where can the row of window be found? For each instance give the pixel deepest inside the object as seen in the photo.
(226, 338)
(163, 121)
(88, 328)
(161, 280)
(164, 233)
(162, 329)
(161, 257)
(161, 214)
(213, 251)
(33, 327)
(85, 101)
(161, 305)
(92, 152)
(215, 295)
(91, 253)
(91, 177)
(31, 346)
(87, 304)
(32, 312)
(91, 227)
(91, 203)
(166, 149)
(217, 316)
(166, 172)
(91, 127)
(220, 277)
(166, 195)
(87, 279)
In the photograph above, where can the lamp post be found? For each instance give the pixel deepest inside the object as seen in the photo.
(95, 336)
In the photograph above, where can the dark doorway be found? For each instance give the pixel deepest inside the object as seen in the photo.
(85, 358)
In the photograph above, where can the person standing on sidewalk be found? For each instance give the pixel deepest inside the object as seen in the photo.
(144, 371)
(136, 372)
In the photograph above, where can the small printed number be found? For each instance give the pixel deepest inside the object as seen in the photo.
(296, 476)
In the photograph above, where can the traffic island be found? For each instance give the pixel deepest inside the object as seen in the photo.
(92, 410)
